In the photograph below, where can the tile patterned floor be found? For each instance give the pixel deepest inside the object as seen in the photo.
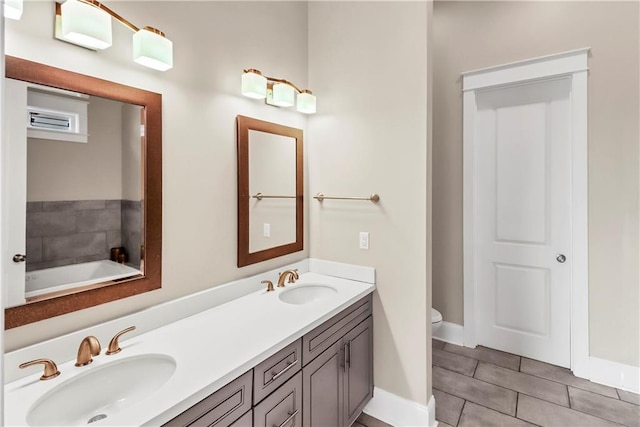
(482, 387)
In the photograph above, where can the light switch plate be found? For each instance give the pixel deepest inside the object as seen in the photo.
(266, 229)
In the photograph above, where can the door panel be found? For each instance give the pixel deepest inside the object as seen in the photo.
(521, 166)
(522, 299)
(14, 190)
(523, 160)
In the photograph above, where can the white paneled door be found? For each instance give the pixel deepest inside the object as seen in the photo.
(523, 212)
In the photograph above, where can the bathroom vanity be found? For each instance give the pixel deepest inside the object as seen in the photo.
(256, 358)
(322, 379)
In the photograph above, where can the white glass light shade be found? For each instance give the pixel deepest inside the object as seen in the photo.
(13, 9)
(306, 102)
(85, 24)
(254, 85)
(152, 50)
(283, 95)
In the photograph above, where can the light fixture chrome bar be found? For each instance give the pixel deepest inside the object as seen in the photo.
(261, 196)
(374, 198)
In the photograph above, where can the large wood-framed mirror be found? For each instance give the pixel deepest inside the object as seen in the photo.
(270, 190)
(92, 217)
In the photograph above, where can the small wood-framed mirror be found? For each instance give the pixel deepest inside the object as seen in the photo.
(144, 111)
(270, 190)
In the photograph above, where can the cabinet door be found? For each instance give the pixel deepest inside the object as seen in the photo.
(322, 394)
(358, 375)
(283, 407)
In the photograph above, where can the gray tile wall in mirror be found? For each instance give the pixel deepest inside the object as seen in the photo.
(72, 232)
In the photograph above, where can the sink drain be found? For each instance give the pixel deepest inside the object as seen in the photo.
(96, 418)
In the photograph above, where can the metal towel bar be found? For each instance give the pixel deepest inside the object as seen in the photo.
(261, 196)
(372, 198)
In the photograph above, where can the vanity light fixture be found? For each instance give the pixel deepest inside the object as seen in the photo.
(278, 92)
(13, 9)
(87, 23)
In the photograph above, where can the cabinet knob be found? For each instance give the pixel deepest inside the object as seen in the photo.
(19, 258)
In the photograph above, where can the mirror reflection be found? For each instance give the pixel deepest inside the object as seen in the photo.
(270, 190)
(83, 210)
(272, 185)
(83, 197)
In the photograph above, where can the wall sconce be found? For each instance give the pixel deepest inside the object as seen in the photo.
(87, 23)
(13, 9)
(278, 92)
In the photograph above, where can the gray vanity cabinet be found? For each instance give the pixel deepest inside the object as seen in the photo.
(323, 379)
(338, 383)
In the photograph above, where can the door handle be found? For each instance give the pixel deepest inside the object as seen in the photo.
(19, 258)
(561, 258)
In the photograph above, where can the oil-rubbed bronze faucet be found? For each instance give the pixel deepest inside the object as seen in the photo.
(89, 347)
(293, 276)
(50, 368)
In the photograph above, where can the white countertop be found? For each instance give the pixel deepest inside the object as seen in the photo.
(210, 348)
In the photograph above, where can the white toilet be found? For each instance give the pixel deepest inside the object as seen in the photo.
(436, 320)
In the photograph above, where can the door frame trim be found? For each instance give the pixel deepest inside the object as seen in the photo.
(573, 64)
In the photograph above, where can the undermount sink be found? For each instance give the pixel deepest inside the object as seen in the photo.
(102, 391)
(306, 293)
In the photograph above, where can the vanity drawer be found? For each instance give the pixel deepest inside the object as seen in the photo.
(220, 409)
(276, 370)
(283, 408)
(325, 335)
(244, 421)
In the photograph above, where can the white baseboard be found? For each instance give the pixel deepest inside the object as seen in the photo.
(397, 411)
(614, 374)
(451, 333)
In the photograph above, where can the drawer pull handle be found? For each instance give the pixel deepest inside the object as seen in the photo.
(286, 368)
(291, 417)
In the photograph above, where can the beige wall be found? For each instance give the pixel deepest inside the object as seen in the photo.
(471, 35)
(370, 135)
(60, 170)
(213, 42)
